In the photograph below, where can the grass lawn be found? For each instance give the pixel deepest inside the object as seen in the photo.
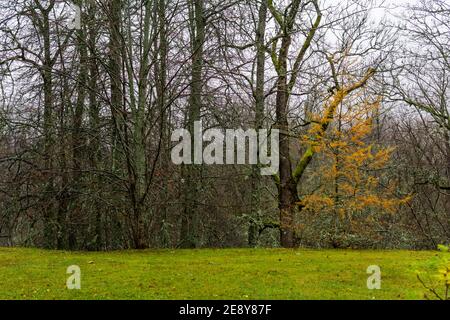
(212, 274)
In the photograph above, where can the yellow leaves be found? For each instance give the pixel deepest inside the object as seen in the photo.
(359, 131)
(341, 212)
(347, 188)
(317, 148)
(351, 168)
(338, 144)
(387, 205)
(381, 157)
(316, 203)
(405, 199)
(359, 156)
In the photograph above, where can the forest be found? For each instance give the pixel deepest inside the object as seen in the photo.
(93, 92)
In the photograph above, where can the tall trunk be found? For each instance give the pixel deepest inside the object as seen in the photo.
(287, 187)
(139, 125)
(79, 106)
(161, 79)
(115, 72)
(287, 184)
(253, 230)
(95, 219)
(77, 135)
(49, 139)
(190, 223)
(63, 157)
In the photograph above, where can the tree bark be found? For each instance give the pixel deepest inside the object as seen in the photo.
(253, 229)
(190, 218)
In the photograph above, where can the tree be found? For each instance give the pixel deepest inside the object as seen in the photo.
(349, 184)
(421, 81)
(259, 94)
(287, 186)
(190, 218)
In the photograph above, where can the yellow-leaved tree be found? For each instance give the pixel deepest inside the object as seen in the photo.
(349, 184)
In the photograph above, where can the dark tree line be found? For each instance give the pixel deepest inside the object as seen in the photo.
(87, 115)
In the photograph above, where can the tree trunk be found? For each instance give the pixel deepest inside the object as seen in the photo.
(287, 187)
(253, 229)
(50, 210)
(95, 238)
(115, 73)
(190, 219)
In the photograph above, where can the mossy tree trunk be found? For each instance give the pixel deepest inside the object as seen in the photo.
(254, 227)
(192, 173)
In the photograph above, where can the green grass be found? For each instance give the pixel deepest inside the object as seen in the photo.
(212, 274)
